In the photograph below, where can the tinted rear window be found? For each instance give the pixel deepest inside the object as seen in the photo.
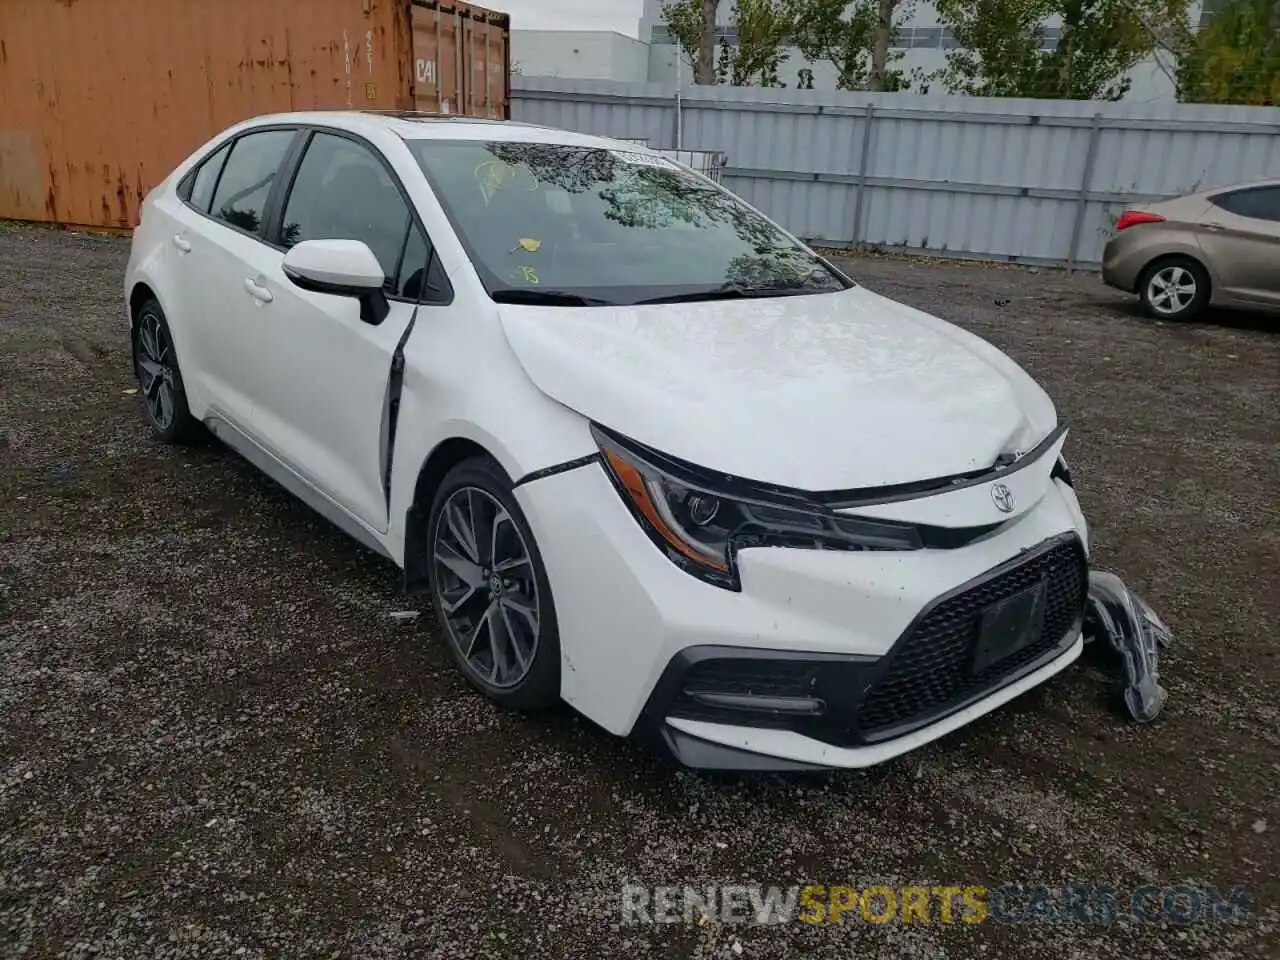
(241, 198)
(1259, 203)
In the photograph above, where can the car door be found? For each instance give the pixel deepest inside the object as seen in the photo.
(1241, 237)
(322, 400)
(220, 248)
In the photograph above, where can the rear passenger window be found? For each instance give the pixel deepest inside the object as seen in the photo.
(1260, 203)
(241, 196)
(206, 179)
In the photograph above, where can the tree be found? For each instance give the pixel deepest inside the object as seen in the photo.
(1235, 58)
(882, 34)
(1000, 45)
(855, 37)
(997, 46)
(762, 26)
(693, 24)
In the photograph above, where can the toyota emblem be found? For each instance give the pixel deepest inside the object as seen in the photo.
(1002, 497)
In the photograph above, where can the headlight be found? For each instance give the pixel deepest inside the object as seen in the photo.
(701, 520)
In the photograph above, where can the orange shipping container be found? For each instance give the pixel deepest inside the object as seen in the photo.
(98, 101)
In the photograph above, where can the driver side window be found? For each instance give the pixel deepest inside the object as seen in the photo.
(342, 191)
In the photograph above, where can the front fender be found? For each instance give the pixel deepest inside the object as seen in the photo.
(538, 435)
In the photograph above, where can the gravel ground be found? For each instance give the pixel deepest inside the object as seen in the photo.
(216, 742)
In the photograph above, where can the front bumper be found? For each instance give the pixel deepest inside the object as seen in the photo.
(711, 746)
(847, 702)
(868, 634)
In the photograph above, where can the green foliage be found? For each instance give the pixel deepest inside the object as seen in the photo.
(999, 45)
(844, 32)
(684, 19)
(763, 27)
(1235, 58)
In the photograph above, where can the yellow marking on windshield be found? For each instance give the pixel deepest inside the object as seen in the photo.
(497, 174)
(530, 274)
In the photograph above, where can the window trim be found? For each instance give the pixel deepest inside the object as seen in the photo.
(188, 181)
(273, 223)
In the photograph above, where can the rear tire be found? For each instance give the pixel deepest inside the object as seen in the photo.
(1174, 288)
(155, 364)
(490, 588)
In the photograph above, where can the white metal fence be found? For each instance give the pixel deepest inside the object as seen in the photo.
(1029, 181)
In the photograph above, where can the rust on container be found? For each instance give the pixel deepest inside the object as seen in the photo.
(99, 101)
(462, 59)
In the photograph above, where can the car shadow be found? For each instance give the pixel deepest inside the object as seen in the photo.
(1229, 318)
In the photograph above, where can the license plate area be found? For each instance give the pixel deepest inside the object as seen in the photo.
(1008, 626)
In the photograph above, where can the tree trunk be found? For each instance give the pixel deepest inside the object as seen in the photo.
(704, 68)
(880, 43)
(1068, 57)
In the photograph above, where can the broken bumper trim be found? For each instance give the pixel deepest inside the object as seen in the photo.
(1134, 632)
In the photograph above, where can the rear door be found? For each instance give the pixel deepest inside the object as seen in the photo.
(219, 245)
(1241, 237)
(323, 401)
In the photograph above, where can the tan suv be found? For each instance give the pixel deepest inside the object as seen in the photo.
(1220, 246)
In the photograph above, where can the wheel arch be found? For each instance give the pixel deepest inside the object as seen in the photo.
(443, 457)
(139, 293)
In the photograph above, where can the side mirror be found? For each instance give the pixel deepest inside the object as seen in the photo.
(343, 268)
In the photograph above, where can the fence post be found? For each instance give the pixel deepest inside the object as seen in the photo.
(678, 118)
(862, 175)
(1086, 181)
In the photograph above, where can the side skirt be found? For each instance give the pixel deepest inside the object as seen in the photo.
(242, 444)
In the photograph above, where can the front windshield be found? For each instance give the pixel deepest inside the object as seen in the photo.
(588, 226)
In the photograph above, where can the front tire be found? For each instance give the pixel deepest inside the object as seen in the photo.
(490, 588)
(1174, 288)
(155, 364)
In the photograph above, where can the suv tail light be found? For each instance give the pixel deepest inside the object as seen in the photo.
(1132, 217)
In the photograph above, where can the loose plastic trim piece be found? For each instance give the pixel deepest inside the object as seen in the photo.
(1133, 630)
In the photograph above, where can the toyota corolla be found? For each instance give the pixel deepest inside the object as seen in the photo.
(645, 451)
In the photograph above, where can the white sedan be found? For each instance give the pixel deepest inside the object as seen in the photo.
(645, 451)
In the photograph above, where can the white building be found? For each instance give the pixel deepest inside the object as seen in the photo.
(654, 56)
(582, 54)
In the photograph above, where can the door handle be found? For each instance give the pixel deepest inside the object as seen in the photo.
(1213, 228)
(257, 291)
(181, 244)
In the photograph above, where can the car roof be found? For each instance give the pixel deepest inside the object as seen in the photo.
(410, 125)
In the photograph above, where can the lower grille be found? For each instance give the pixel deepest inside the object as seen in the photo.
(929, 669)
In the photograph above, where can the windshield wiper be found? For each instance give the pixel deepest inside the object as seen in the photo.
(733, 291)
(549, 298)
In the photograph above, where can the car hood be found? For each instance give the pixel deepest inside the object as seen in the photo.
(823, 392)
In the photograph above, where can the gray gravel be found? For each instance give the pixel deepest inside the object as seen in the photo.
(215, 741)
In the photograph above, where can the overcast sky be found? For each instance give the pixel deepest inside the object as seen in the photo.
(619, 15)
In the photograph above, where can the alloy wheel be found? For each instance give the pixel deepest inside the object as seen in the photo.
(154, 357)
(1171, 290)
(486, 587)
